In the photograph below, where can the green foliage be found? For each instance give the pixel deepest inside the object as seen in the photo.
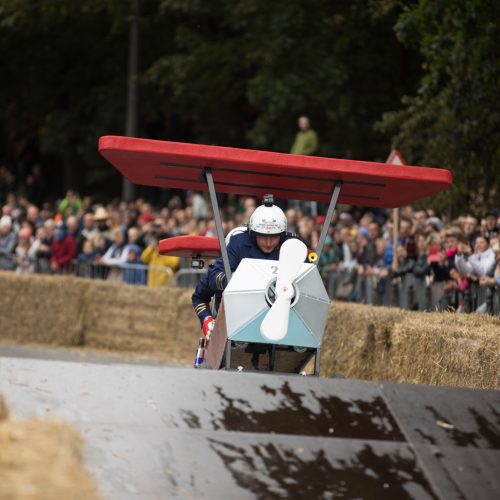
(453, 120)
(61, 80)
(240, 72)
(246, 69)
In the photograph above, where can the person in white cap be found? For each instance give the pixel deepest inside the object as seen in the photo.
(8, 241)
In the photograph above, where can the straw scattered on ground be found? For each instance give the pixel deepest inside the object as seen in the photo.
(41, 460)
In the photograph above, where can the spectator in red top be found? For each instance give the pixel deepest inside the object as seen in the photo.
(406, 238)
(63, 248)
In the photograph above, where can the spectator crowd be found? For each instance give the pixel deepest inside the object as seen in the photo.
(119, 241)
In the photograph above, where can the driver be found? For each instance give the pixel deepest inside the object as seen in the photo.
(262, 240)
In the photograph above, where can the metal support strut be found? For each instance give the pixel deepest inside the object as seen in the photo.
(218, 223)
(317, 361)
(328, 219)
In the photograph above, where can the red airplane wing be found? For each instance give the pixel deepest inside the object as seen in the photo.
(255, 173)
(203, 247)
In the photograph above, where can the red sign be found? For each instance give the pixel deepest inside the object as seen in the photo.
(396, 158)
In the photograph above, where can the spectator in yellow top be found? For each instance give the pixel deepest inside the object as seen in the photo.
(157, 276)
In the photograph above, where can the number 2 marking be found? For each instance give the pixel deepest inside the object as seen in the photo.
(274, 269)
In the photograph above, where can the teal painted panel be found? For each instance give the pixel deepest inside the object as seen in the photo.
(298, 334)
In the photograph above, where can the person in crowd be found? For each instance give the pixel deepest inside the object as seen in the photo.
(453, 238)
(405, 262)
(420, 217)
(477, 264)
(134, 272)
(89, 230)
(116, 256)
(102, 224)
(493, 280)
(267, 230)
(24, 262)
(33, 217)
(159, 264)
(308, 231)
(292, 217)
(348, 266)
(368, 255)
(71, 204)
(199, 205)
(470, 229)
(8, 240)
(431, 230)
(89, 252)
(100, 245)
(134, 237)
(62, 250)
(355, 234)
(73, 228)
(440, 274)
(144, 220)
(406, 238)
(86, 260)
(445, 270)
(491, 228)
(329, 259)
(381, 267)
(306, 140)
(39, 251)
(421, 269)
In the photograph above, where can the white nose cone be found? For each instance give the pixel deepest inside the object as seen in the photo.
(292, 255)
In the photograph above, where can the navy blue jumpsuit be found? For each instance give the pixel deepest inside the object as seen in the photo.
(214, 281)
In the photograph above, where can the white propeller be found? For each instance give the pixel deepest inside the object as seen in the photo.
(292, 255)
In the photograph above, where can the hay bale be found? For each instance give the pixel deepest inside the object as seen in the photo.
(42, 460)
(372, 343)
(376, 343)
(4, 410)
(43, 309)
(130, 319)
(95, 314)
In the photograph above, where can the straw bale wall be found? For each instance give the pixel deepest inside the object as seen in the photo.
(73, 312)
(365, 342)
(41, 460)
(379, 343)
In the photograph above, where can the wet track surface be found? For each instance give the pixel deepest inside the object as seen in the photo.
(162, 432)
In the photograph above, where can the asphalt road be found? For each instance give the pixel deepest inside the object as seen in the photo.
(160, 432)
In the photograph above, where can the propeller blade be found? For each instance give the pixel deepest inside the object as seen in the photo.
(292, 255)
(275, 324)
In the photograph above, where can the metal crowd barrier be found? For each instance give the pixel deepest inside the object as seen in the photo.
(411, 293)
(134, 274)
(188, 278)
(406, 292)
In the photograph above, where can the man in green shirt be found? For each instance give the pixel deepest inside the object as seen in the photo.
(306, 140)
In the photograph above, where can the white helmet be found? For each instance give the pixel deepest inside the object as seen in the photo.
(268, 219)
(233, 232)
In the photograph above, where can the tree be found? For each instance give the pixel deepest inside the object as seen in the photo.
(453, 119)
(244, 70)
(229, 72)
(64, 79)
